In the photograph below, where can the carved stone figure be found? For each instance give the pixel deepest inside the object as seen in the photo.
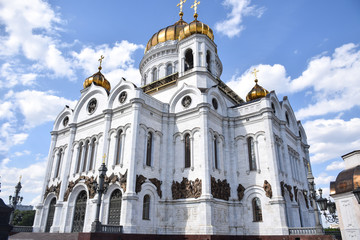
(140, 179)
(267, 189)
(90, 183)
(122, 180)
(288, 187)
(220, 189)
(71, 185)
(295, 193)
(157, 184)
(54, 189)
(282, 188)
(306, 199)
(240, 191)
(186, 189)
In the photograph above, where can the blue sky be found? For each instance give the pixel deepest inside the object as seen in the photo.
(306, 50)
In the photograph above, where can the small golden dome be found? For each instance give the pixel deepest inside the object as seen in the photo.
(196, 27)
(169, 33)
(99, 80)
(256, 92)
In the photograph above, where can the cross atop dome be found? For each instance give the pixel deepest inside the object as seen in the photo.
(196, 3)
(180, 4)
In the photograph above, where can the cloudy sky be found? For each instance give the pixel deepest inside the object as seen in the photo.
(306, 50)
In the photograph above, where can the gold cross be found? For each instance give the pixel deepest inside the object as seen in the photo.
(254, 72)
(196, 3)
(104, 157)
(20, 178)
(181, 4)
(100, 60)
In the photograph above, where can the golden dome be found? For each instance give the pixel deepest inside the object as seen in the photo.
(256, 92)
(196, 27)
(169, 33)
(99, 80)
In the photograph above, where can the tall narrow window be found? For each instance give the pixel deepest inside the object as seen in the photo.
(92, 154)
(208, 61)
(57, 170)
(79, 157)
(189, 59)
(146, 208)
(187, 151)
(115, 208)
(118, 147)
(257, 213)
(154, 74)
(51, 213)
(215, 153)
(149, 149)
(145, 79)
(83, 169)
(287, 119)
(168, 69)
(251, 153)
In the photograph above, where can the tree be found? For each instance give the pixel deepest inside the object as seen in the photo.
(23, 218)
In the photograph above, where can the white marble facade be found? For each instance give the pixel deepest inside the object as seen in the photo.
(213, 123)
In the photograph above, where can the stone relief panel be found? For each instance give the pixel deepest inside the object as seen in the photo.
(54, 189)
(267, 189)
(187, 214)
(295, 193)
(186, 189)
(157, 184)
(90, 183)
(306, 199)
(140, 179)
(221, 216)
(113, 179)
(220, 189)
(240, 192)
(288, 188)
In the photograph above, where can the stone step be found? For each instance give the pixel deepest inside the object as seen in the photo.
(44, 236)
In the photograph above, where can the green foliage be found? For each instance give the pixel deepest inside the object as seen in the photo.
(23, 218)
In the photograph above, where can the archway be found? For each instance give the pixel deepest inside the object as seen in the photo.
(115, 208)
(79, 212)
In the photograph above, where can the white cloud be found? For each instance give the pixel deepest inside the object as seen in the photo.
(14, 73)
(332, 82)
(332, 138)
(336, 165)
(323, 178)
(118, 61)
(232, 26)
(10, 137)
(32, 179)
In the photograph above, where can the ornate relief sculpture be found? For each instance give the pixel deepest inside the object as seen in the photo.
(157, 184)
(282, 188)
(288, 187)
(123, 180)
(186, 189)
(90, 183)
(220, 189)
(240, 192)
(306, 199)
(295, 193)
(54, 189)
(140, 179)
(267, 189)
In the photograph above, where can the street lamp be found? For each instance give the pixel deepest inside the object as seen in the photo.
(15, 199)
(324, 205)
(96, 225)
(356, 192)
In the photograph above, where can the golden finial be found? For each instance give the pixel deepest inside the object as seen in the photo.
(20, 178)
(196, 3)
(309, 169)
(104, 157)
(255, 72)
(181, 3)
(100, 60)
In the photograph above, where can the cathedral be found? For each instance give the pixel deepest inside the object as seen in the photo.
(185, 154)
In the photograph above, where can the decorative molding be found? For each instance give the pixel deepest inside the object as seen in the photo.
(240, 192)
(220, 189)
(90, 183)
(140, 179)
(157, 184)
(186, 189)
(267, 189)
(54, 189)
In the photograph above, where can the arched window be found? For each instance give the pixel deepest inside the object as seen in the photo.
(287, 119)
(83, 169)
(215, 153)
(273, 107)
(79, 212)
(50, 217)
(154, 75)
(146, 208)
(169, 69)
(189, 59)
(118, 147)
(251, 153)
(80, 149)
(257, 213)
(149, 149)
(115, 208)
(59, 157)
(208, 61)
(187, 150)
(92, 154)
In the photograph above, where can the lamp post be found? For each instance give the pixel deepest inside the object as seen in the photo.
(15, 199)
(324, 205)
(96, 225)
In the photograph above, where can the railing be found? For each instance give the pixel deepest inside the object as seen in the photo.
(111, 229)
(22, 229)
(305, 231)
